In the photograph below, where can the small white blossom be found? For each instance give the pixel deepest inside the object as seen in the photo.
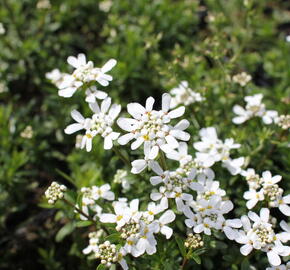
(183, 95)
(254, 108)
(242, 78)
(100, 123)
(84, 72)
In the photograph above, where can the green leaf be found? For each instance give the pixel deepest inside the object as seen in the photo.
(196, 258)
(64, 231)
(245, 264)
(101, 267)
(113, 237)
(83, 223)
(180, 244)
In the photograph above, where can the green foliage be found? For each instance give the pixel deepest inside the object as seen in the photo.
(157, 44)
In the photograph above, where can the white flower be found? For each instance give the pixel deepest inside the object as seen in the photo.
(184, 95)
(284, 236)
(2, 29)
(100, 123)
(260, 235)
(82, 123)
(242, 78)
(167, 217)
(56, 77)
(234, 165)
(121, 216)
(269, 180)
(230, 226)
(254, 108)
(140, 165)
(211, 150)
(92, 94)
(253, 197)
(84, 72)
(153, 127)
(254, 181)
(283, 204)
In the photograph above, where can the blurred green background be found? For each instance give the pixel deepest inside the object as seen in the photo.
(157, 44)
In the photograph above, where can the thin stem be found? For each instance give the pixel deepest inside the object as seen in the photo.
(122, 157)
(162, 161)
(83, 214)
(78, 210)
(184, 262)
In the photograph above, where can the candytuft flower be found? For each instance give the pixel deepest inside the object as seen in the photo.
(152, 127)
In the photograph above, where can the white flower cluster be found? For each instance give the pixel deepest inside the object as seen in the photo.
(283, 121)
(265, 188)
(192, 185)
(242, 78)
(183, 95)
(91, 194)
(254, 108)
(54, 192)
(257, 233)
(101, 123)
(211, 150)
(152, 128)
(137, 228)
(206, 213)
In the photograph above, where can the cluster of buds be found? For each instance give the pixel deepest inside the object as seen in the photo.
(273, 192)
(129, 229)
(27, 133)
(193, 241)
(242, 79)
(107, 253)
(283, 121)
(54, 192)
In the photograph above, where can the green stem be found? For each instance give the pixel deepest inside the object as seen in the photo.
(162, 161)
(122, 157)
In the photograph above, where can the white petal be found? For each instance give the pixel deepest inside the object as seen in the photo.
(109, 65)
(155, 180)
(153, 152)
(179, 134)
(149, 104)
(94, 107)
(156, 167)
(67, 92)
(286, 199)
(182, 125)
(125, 138)
(177, 112)
(127, 124)
(108, 143)
(273, 258)
(135, 109)
(108, 218)
(285, 209)
(73, 128)
(105, 105)
(246, 249)
(165, 230)
(89, 144)
(264, 214)
(73, 61)
(137, 143)
(167, 217)
(166, 98)
(114, 111)
(138, 166)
